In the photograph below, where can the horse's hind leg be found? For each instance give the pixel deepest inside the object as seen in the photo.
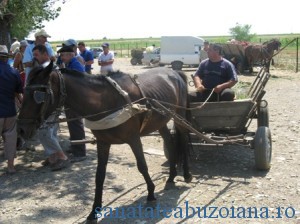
(137, 148)
(182, 144)
(103, 153)
(169, 142)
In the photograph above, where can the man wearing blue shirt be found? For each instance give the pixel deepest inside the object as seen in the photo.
(68, 57)
(76, 127)
(87, 56)
(10, 87)
(215, 76)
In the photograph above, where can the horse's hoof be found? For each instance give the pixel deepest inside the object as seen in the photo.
(151, 198)
(169, 185)
(188, 179)
(151, 204)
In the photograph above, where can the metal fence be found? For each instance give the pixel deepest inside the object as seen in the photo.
(288, 56)
(124, 50)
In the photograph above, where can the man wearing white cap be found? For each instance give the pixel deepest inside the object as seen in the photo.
(10, 87)
(28, 59)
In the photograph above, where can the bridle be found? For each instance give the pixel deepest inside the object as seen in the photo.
(43, 94)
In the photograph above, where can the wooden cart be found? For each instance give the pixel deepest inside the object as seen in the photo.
(225, 123)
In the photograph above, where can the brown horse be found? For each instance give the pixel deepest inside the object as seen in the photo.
(96, 97)
(261, 53)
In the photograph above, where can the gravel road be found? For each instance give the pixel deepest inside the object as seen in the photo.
(225, 179)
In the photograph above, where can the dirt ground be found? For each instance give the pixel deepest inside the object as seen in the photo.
(224, 178)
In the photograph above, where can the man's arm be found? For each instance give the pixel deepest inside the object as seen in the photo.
(19, 99)
(198, 83)
(224, 85)
(103, 63)
(90, 59)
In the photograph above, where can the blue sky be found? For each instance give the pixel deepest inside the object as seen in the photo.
(95, 19)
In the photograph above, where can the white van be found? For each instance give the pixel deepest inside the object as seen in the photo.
(178, 51)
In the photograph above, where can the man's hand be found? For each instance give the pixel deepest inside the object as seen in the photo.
(218, 89)
(200, 88)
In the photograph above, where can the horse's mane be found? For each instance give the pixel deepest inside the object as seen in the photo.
(270, 41)
(112, 74)
(72, 72)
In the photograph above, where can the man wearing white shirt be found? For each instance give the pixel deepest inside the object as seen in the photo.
(28, 59)
(106, 59)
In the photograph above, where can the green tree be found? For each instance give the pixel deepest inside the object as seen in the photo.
(241, 32)
(20, 17)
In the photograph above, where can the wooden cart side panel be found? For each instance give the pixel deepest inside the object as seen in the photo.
(221, 116)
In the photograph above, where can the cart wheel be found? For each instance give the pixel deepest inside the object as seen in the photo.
(176, 65)
(263, 148)
(263, 114)
(134, 61)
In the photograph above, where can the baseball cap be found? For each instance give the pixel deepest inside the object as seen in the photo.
(41, 32)
(23, 43)
(65, 49)
(105, 45)
(70, 42)
(3, 50)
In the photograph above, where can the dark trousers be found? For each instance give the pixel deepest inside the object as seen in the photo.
(76, 129)
(226, 95)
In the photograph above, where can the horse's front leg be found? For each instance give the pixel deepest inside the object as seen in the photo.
(103, 153)
(137, 148)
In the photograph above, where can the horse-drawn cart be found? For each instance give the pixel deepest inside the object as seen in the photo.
(226, 123)
(136, 56)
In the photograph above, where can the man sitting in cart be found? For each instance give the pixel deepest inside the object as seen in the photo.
(215, 76)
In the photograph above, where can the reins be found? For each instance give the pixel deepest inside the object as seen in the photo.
(47, 98)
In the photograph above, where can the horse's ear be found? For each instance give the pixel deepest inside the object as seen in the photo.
(49, 68)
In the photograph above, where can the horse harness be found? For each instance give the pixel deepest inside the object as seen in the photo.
(123, 114)
(43, 94)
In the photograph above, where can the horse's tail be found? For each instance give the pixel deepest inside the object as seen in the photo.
(182, 134)
(183, 76)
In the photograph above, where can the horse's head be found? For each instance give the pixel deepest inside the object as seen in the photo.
(273, 44)
(41, 97)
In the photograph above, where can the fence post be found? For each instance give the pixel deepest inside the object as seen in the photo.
(297, 53)
(128, 51)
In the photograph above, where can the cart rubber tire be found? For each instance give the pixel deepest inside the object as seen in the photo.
(176, 65)
(134, 61)
(263, 116)
(263, 148)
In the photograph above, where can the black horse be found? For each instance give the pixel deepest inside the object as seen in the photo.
(95, 97)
